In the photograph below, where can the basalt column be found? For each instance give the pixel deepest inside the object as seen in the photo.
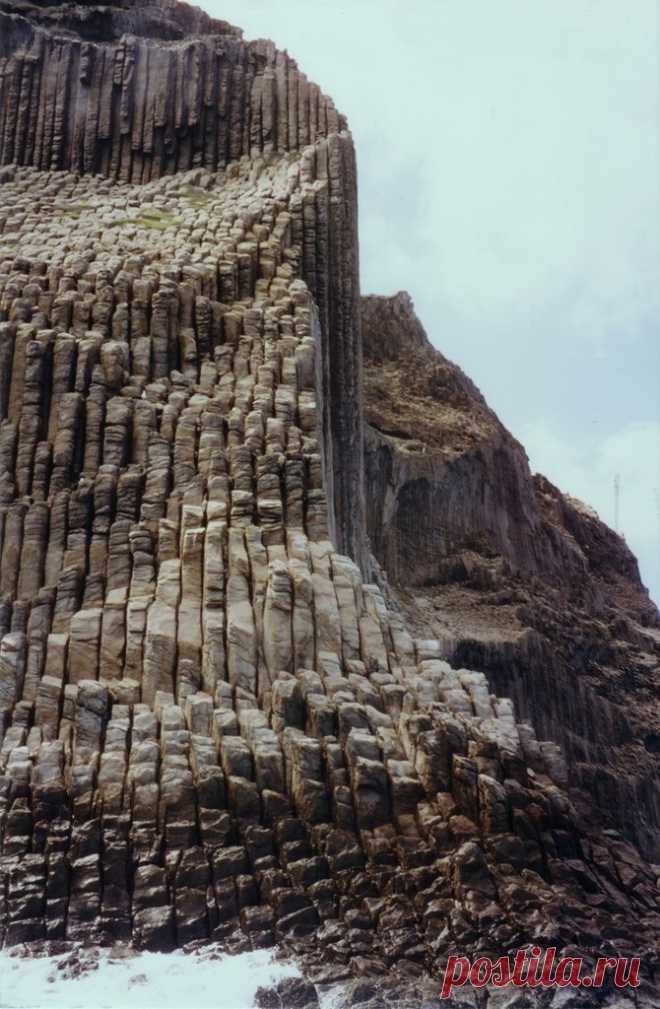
(135, 108)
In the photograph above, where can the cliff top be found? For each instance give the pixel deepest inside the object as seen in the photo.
(412, 392)
(164, 20)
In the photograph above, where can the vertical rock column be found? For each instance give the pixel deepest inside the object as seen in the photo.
(327, 229)
(134, 110)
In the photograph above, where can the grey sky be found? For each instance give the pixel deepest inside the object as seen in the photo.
(509, 158)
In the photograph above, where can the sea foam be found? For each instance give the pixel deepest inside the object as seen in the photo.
(138, 981)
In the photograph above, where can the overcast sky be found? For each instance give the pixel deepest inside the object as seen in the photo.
(509, 159)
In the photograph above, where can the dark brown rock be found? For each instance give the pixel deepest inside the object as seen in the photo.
(292, 993)
(519, 580)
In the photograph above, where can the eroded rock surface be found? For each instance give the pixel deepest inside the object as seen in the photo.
(211, 725)
(511, 575)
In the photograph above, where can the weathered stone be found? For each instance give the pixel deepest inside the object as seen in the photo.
(212, 723)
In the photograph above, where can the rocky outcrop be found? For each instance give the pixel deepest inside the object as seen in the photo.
(212, 724)
(166, 20)
(133, 107)
(89, 98)
(514, 577)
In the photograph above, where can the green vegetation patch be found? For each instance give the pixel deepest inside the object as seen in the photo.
(195, 195)
(73, 211)
(150, 220)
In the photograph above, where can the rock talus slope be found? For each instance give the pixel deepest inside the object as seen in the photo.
(211, 724)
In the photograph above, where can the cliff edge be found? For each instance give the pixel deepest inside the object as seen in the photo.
(513, 576)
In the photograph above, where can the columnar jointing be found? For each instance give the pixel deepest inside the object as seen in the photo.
(209, 724)
(165, 567)
(135, 111)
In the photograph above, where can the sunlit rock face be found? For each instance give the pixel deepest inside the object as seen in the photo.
(214, 724)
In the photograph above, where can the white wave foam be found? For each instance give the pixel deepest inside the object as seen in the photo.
(141, 981)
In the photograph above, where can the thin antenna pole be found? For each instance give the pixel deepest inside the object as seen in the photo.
(617, 501)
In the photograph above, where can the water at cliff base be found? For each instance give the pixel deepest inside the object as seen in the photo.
(139, 981)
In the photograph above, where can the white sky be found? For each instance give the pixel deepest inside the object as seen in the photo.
(509, 158)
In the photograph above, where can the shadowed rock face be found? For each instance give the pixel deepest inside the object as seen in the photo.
(515, 577)
(211, 725)
(167, 20)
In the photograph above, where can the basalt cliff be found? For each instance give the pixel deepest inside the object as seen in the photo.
(293, 648)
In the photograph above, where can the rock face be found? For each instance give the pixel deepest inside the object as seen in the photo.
(512, 576)
(212, 724)
(133, 110)
(167, 20)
